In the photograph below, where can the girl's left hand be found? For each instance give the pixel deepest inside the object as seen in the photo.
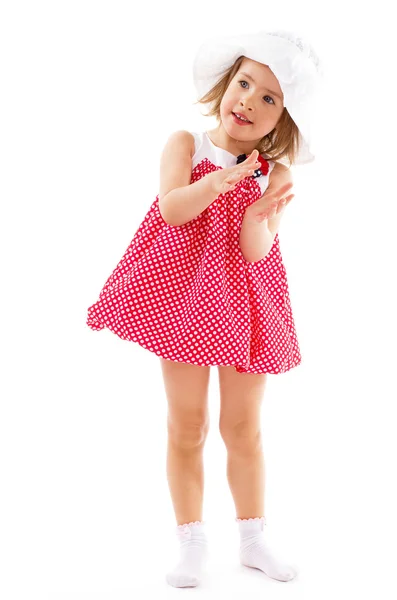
(270, 204)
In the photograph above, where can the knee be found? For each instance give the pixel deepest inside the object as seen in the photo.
(242, 437)
(187, 435)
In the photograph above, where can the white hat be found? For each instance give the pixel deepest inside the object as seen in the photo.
(291, 59)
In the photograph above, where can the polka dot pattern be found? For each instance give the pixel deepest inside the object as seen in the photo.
(187, 294)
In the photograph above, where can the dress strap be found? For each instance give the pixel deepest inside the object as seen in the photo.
(197, 140)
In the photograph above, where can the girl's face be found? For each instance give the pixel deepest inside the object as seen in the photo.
(255, 93)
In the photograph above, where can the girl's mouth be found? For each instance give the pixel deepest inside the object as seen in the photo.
(240, 121)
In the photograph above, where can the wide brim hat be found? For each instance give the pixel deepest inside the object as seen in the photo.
(291, 59)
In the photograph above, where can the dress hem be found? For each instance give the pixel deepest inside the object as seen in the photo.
(161, 354)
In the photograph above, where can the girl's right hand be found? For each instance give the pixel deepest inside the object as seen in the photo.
(225, 180)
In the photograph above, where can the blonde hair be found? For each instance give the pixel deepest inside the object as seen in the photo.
(282, 141)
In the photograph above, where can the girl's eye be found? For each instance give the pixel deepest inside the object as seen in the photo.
(242, 81)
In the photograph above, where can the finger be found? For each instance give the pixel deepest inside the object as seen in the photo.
(253, 161)
(244, 173)
(239, 175)
(241, 167)
(285, 188)
(283, 202)
(253, 155)
(281, 205)
(276, 195)
(233, 178)
(251, 158)
(281, 191)
(274, 209)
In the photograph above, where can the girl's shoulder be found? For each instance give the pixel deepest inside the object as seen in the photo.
(183, 138)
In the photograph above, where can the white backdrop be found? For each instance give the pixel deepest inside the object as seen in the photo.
(90, 93)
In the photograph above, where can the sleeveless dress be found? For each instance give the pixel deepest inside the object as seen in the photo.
(187, 294)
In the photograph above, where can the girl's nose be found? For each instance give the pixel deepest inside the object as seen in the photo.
(248, 106)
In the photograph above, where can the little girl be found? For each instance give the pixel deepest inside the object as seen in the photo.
(202, 283)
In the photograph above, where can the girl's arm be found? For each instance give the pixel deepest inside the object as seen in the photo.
(256, 239)
(179, 200)
(257, 236)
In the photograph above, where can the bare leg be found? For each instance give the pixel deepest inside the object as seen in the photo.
(187, 393)
(241, 397)
(188, 423)
(246, 477)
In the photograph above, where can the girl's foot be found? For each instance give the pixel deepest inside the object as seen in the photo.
(194, 552)
(254, 551)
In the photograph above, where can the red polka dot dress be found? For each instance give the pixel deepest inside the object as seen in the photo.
(186, 292)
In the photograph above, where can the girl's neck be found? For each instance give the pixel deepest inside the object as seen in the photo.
(222, 139)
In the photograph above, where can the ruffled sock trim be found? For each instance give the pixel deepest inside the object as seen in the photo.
(251, 526)
(179, 527)
(263, 519)
(185, 531)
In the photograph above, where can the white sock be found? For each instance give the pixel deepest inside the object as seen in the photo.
(254, 551)
(194, 552)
